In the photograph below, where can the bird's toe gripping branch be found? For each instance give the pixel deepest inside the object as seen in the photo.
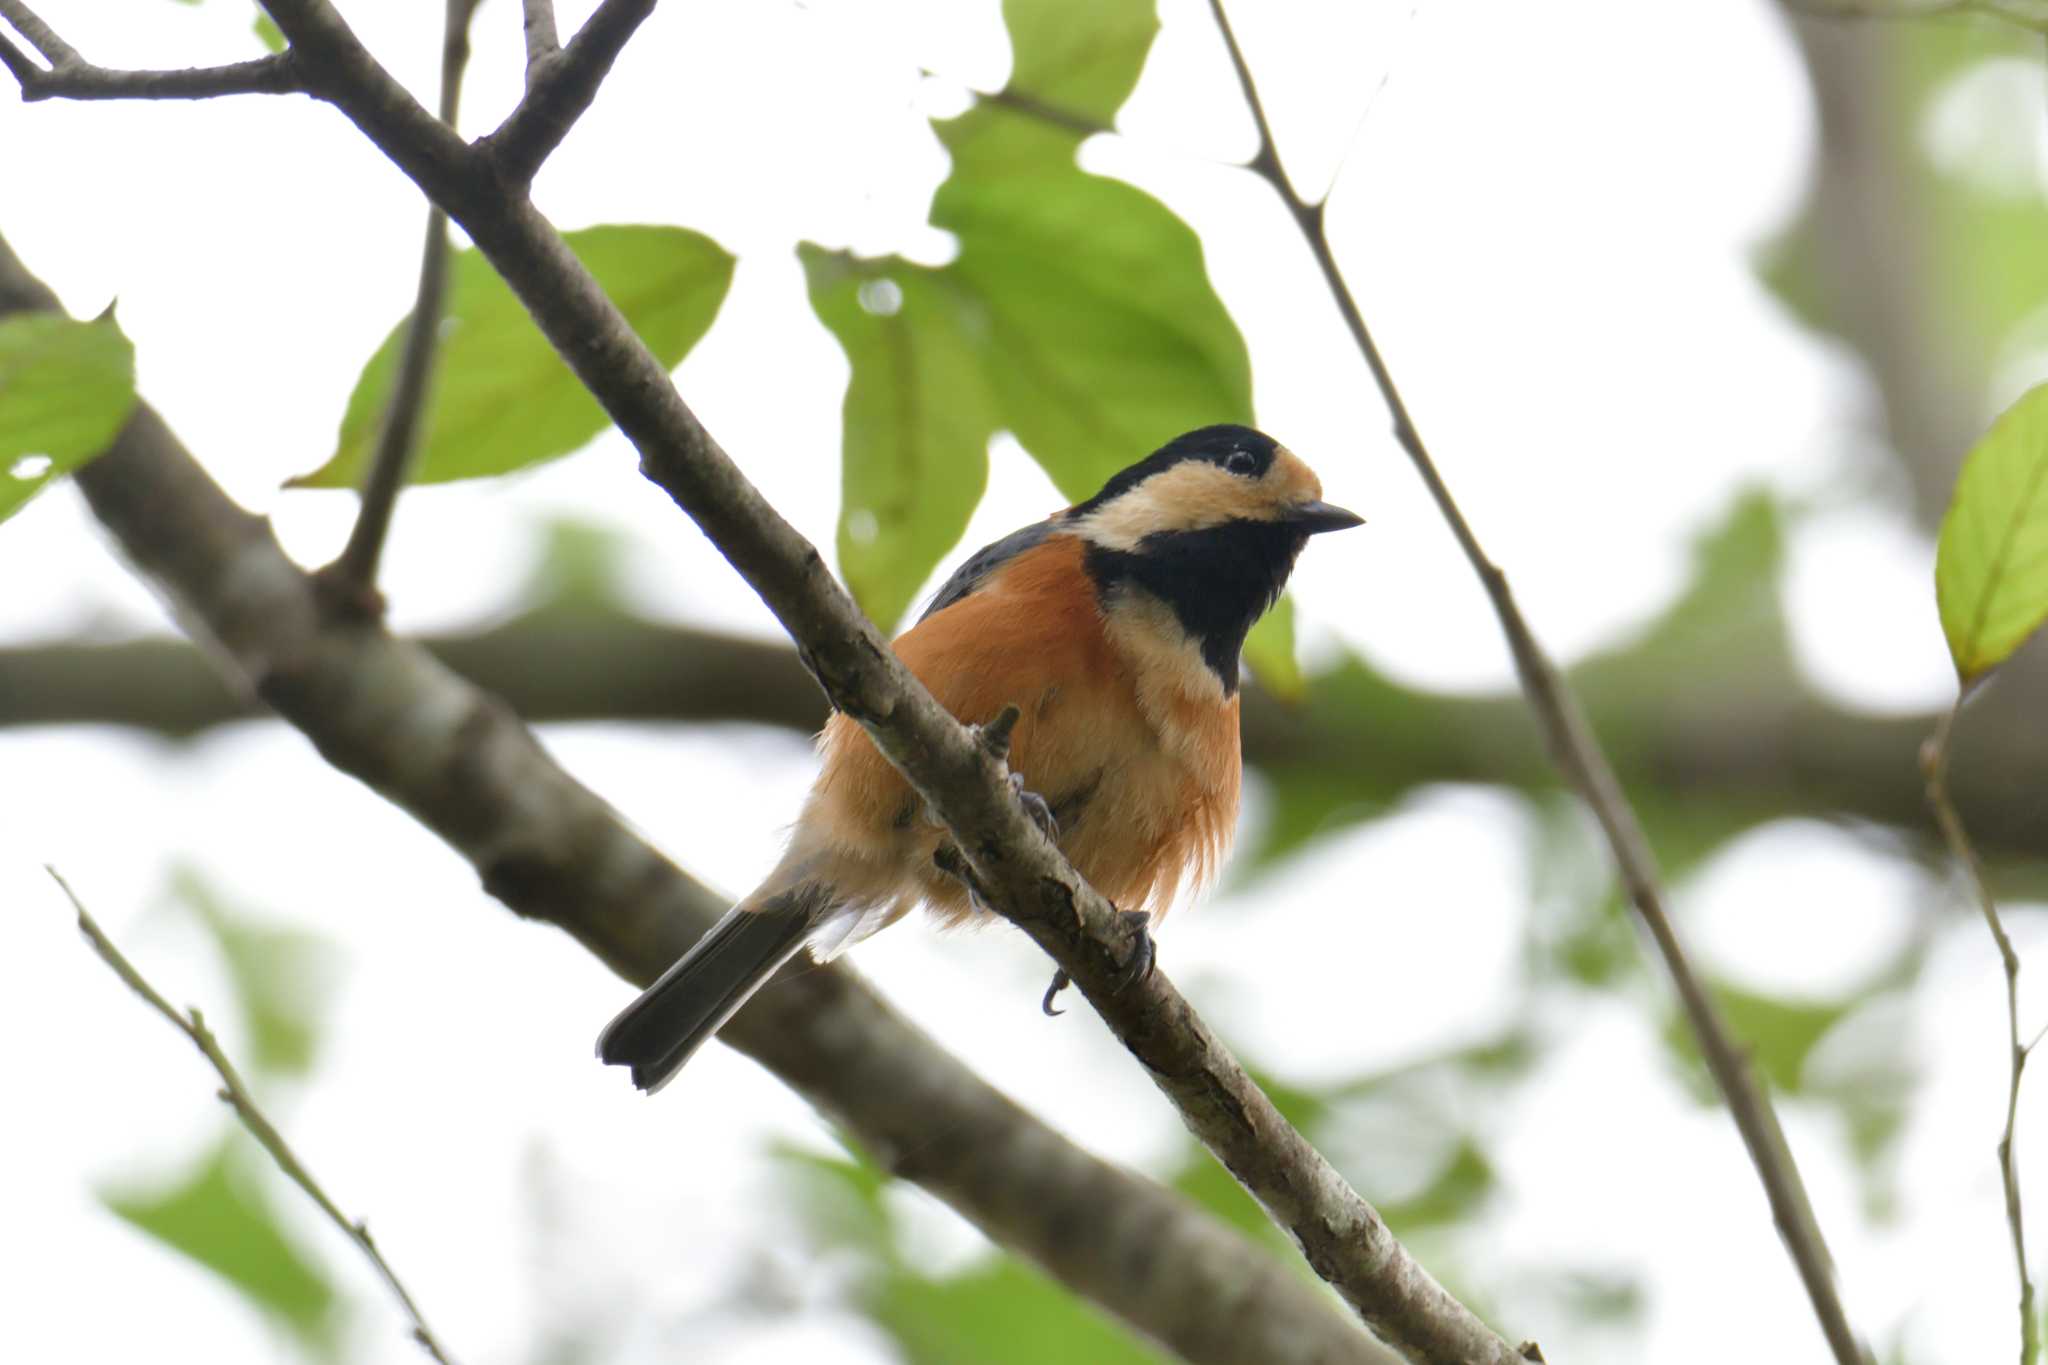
(1138, 962)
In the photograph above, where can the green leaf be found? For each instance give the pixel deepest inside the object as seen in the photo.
(502, 399)
(1269, 649)
(1001, 1313)
(917, 420)
(280, 978)
(217, 1217)
(1779, 1035)
(1081, 57)
(1991, 564)
(267, 32)
(66, 388)
(1103, 337)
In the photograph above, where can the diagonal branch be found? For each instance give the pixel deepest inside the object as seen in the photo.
(237, 1097)
(1577, 753)
(461, 763)
(70, 76)
(561, 84)
(1343, 1237)
(354, 573)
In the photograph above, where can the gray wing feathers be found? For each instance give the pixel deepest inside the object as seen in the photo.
(986, 561)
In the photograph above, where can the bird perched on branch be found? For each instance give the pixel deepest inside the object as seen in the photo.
(1114, 628)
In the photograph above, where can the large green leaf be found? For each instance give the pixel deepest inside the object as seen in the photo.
(66, 388)
(1080, 57)
(216, 1217)
(1991, 564)
(502, 399)
(1104, 336)
(917, 420)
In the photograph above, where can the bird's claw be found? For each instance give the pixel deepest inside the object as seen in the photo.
(1060, 981)
(1036, 807)
(1144, 955)
(1143, 958)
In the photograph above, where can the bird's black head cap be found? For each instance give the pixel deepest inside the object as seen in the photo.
(1241, 450)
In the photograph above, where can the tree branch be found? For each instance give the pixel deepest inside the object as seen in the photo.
(560, 85)
(1026, 878)
(70, 76)
(1755, 743)
(541, 40)
(457, 759)
(237, 1097)
(1580, 758)
(354, 573)
(1934, 757)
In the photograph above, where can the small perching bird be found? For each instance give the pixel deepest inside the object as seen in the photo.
(1115, 628)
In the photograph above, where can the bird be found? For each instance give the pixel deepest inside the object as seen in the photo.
(1114, 628)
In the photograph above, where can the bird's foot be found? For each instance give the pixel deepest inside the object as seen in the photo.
(1036, 807)
(1137, 966)
(1144, 954)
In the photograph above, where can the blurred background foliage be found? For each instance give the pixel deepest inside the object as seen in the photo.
(1077, 316)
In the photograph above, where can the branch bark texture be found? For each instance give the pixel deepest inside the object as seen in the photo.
(387, 713)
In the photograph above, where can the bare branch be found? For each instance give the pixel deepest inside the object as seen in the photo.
(353, 575)
(459, 761)
(1578, 755)
(237, 1097)
(70, 76)
(541, 40)
(561, 85)
(40, 35)
(1934, 759)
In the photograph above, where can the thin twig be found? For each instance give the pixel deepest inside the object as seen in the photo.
(561, 88)
(542, 43)
(1580, 757)
(70, 76)
(1934, 756)
(236, 1096)
(353, 575)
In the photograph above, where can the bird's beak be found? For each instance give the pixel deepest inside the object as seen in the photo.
(1316, 517)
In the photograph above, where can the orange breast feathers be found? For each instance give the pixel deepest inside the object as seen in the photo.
(1125, 733)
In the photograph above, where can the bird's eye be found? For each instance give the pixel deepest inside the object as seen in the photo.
(1240, 462)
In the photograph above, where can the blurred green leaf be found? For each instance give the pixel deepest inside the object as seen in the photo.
(267, 32)
(1975, 239)
(917, 420)
(280, 978)
(1081, 57)
(1991, 564)
(1000, 1312)
(502, 398)
(1269, 649)
(217, 1216)
(66, 388)
(1779, 1035)
(1451, 1196)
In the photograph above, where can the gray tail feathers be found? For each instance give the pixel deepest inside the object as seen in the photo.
(658, 1032)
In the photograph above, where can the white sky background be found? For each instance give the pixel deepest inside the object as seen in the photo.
(1547, 212)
